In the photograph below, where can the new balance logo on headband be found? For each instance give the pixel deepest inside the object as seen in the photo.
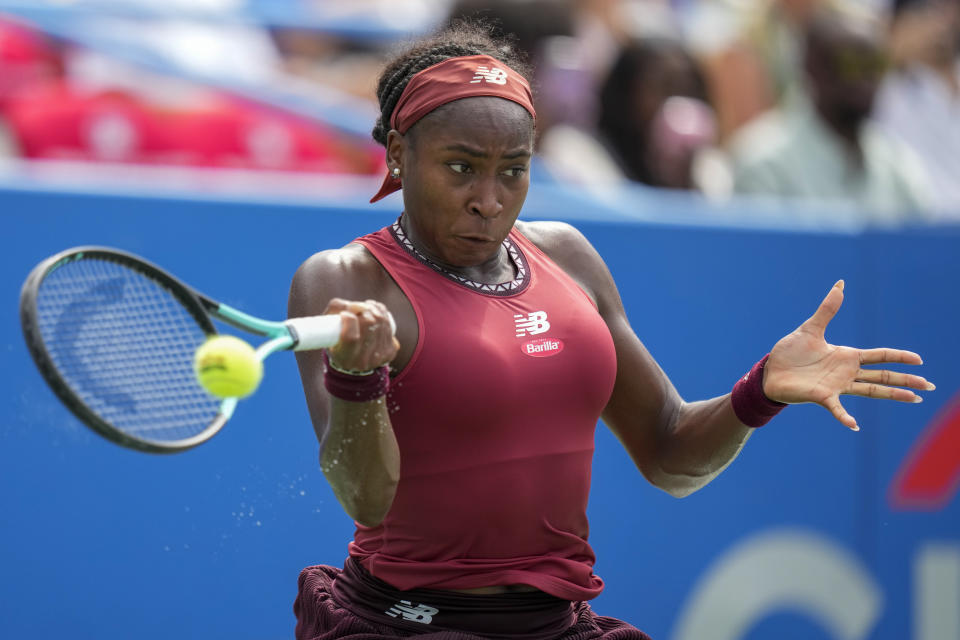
(493, 76)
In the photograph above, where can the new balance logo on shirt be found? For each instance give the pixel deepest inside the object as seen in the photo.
(406, 610)
(493, 76)
(532, 323)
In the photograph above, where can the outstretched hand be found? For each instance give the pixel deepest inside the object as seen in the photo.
(803, 367)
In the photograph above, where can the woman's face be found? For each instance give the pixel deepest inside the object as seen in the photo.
(465, 171)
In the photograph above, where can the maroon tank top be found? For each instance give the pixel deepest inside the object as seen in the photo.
(495, 417)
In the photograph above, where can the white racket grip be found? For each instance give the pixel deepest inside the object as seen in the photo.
(319, 332)
(315, 332)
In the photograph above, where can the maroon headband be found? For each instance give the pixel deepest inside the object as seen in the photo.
(453, 79)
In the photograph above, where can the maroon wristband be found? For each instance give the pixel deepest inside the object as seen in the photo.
(750, 403)
(355, 388)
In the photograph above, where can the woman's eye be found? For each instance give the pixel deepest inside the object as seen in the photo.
(515, 172)
(459, 167)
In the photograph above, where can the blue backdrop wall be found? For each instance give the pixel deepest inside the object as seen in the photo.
(815, 532)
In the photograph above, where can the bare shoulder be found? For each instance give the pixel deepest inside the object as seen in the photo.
(570, 249)
(343, 262)
(552, 236)
(350, 272)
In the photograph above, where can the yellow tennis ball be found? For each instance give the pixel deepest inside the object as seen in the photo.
(227, 367)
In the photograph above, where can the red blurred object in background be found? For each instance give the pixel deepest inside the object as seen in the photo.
(51, 117)
(26, 56)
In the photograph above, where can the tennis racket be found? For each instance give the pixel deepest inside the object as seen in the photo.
(114, 336)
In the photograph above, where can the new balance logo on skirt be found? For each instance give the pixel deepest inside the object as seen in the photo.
(493, 76)
(406, 610)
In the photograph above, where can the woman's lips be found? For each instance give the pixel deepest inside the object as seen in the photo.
(477, 239)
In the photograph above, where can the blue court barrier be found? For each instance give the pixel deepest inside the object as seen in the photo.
(814, 532)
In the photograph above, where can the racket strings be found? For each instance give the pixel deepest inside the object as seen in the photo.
(124, 345)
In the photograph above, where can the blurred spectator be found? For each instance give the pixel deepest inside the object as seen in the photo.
(751, 52)
(776, 32)
(824, 146)
(655, 115)
(919, 102)
(654, 125)
(681, 131)
(644, 76)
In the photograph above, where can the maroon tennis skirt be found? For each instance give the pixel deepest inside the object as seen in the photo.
(351, 603)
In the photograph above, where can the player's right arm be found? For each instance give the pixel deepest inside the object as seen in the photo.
(358, 450)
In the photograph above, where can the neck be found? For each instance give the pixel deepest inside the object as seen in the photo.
(495, 270)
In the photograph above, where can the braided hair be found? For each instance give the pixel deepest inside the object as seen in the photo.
(461, 38)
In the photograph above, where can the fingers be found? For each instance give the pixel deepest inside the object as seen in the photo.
(372, 314)
(885, 385)
(872, 390)
(826, 311)
(367, 338)
(834, 406)
(349, 328)
(894, 379)
(884, 356)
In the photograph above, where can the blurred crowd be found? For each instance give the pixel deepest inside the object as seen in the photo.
(847, 102)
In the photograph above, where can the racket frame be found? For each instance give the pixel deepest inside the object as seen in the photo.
(200, 307)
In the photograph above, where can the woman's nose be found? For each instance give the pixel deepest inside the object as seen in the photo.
(485, 200)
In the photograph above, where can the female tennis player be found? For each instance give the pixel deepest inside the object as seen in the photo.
(463, 447)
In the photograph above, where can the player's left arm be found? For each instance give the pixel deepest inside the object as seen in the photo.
(678, 446)
(681, 446)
